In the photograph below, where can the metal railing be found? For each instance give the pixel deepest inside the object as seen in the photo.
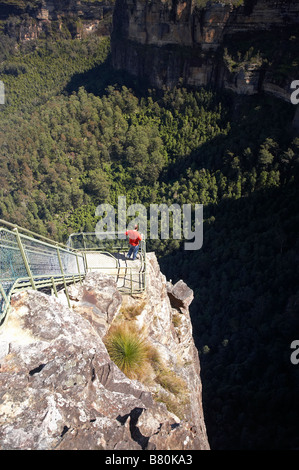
(31, 261)
(114, 245)
(28, 260)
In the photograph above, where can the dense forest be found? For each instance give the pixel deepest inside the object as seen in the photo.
(74, 133)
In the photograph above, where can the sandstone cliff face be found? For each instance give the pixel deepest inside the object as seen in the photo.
(168, 42)
(53, 16)
(60, 389)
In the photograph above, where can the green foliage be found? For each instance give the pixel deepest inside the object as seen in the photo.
(204, 3)
(73, 134)
(245, 282)
(171, 382)
(41, 69)
(126, 349)
(275, 51)
(133, 353)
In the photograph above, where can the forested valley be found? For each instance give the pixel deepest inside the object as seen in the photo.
(74, 133)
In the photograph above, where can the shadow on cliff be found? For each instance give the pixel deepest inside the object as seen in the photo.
(244, 315)
(97, 79)
(242, 113)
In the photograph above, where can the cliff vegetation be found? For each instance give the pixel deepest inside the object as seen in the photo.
(75, 133)
(61, 390)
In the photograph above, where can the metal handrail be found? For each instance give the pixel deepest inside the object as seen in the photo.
(35, 235)
(131, 290)
(29, 244)
(114, 242)
(41, 282)
(30, 248)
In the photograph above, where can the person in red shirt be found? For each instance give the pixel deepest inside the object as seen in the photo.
(134, 240)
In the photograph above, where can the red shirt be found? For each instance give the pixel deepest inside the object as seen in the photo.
(134, 237)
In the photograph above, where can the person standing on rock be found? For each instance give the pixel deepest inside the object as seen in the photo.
(134, 241)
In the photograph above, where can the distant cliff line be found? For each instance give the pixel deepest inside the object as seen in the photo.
(247, 49)
(40, 19)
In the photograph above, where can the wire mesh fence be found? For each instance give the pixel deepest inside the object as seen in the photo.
(29, 260)
(24, 258)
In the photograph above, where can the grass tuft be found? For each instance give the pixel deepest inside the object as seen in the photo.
(127, 349)
(171, 382)
(139, 359)
(130, 312)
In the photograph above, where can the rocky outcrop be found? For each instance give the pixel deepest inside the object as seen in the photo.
(171, 42)
(31, 20)
(59, 388)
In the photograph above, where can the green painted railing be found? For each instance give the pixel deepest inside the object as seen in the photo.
(31, 261)
(130, 279)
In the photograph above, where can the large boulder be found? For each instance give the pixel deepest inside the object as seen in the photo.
(97, 299)
(180, 295)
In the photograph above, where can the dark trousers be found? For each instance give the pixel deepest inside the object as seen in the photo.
(133, 251)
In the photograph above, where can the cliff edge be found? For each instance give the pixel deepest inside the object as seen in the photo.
(247, 48)
(61, 390)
